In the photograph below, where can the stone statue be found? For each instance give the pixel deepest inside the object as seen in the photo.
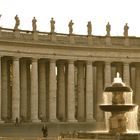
(34, 26)
(17, 22)
(89, 28)
(52, 23)
(108, 29)
(126, 30)
(70, 27)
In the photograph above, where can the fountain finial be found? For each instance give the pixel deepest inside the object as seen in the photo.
(117, 79)
(118, 74)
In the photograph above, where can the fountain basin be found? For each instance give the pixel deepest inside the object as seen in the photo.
(107, 136)
(117, 108)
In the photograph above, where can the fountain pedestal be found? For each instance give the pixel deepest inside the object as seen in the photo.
(117, 123)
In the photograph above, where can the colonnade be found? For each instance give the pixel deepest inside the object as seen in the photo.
(59, 90)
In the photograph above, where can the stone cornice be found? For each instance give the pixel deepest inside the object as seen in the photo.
(46, 38)
(69, 46)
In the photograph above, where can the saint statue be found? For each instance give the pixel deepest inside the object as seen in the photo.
(70, 27)
(126, 30)
(108, 29)
(34, 26)
(89, 28)
(17, 22)
(52, 23)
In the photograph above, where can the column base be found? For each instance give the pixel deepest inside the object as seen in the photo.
(90, 120)
(1, 121)
(53, 120)
(72, 120)
(36, 120)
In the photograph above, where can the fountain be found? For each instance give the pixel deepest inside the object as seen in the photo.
(120, 114)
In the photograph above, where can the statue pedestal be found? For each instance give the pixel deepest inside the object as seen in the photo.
(90, 39)
(108, 41)
(53, 37)
(17, 34)
(71, 39)
(35, 35)
(126, 41)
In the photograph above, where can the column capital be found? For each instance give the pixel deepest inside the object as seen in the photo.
(126, 63)
(34, 59)
(16, 58)
(52, 60)
(99, 63)
(80, 63)
(61, 63)
(89, 62)
(71, 61)
(108, 62)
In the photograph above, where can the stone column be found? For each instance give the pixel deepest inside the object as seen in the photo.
(113, 73)
(4, 88)
(126, 73)
(137, 89)
(34, 91)
(16, 90)
(23, 89)
(0, 91)
(47, 89)
(61, 91)
(133, 84)
(52, 91)
(107, 73)
(89, 91)
(99, 112)
(81, 91)
(42, 89)
(70, 92)
(28, 66)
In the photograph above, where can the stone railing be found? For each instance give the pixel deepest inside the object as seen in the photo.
(67, 39)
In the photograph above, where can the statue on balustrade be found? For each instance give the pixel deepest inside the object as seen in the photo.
(52, 23)
(108, 29)
(89, 28)
(17, 22)
(34, 26)
(70, 25)
(126, 28)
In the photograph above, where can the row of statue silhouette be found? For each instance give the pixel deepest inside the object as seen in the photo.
(70, 25)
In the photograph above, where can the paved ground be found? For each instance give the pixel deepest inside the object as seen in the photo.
(34, 129)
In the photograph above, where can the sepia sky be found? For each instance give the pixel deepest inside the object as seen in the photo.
(99, 12)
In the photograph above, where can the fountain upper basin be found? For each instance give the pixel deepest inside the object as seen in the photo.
(117, 108)
(118, 88)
